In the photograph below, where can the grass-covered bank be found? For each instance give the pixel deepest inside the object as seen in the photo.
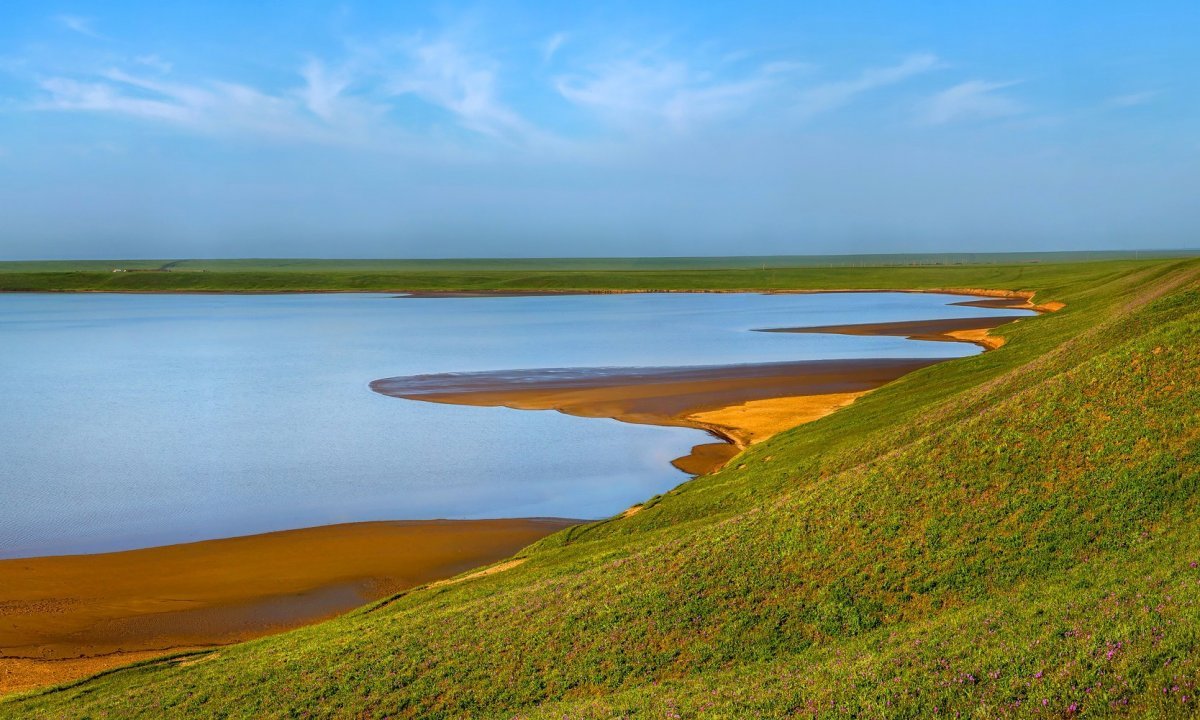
(1009, 534)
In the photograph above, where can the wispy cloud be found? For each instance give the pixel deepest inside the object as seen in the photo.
(630, 93)
(443, 73)
(76, 23)
(211, 107)
(782, 67)
(830, 96)
(155, 63)
(73, 95)
(351, 102)
(323, 89)
(971, 100)
(552, 45)
(1132, 99)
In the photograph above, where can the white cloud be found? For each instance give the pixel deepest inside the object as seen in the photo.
(154, 62)
(212, 107)
(442, 73)
(78, 24)
(629, 93)
(346, 103)
(323, 89)
(830, 96)
(68, 94)
(783, 67)
(632, 92)
(1132, 99)
(971, 100)
(552, 46)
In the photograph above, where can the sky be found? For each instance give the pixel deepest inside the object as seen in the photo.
(532, 129)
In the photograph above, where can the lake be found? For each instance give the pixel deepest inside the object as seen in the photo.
(137, 420)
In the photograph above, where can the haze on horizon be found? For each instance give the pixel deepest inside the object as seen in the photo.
(503, 129)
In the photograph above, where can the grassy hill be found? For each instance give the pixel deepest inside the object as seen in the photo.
(1012, 534)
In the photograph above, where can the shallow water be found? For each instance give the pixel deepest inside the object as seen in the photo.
(136, 420)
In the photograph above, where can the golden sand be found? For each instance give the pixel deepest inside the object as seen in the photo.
(71, 616)
(754, 421)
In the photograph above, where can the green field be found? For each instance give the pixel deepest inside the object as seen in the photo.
(732, 273)
(588, 264)
(1015, 534)
(664, 273)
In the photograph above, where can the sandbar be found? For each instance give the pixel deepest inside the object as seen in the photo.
(967, 329)
(790, 393)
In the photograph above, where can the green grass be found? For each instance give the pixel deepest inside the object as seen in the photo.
(696, 274)
(1013, 534)
(450, 265)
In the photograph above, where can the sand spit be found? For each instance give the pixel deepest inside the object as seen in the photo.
(70, 616)
(669, 396)
(971, 329)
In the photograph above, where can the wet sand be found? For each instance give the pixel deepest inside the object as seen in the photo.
(70, 616)
(1000, 303)
(796, 392)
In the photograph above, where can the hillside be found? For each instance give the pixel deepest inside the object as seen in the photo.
(1012, 534)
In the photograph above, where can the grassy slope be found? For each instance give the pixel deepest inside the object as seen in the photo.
(1012, 533)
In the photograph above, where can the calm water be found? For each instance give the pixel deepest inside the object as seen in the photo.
(135, 420)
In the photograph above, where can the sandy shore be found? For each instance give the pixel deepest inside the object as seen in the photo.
(71, 616)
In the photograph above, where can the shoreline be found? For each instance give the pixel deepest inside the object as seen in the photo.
(64, 634)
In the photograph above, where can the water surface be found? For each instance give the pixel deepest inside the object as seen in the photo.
(136, 420)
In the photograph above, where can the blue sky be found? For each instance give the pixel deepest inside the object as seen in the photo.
(372, 129)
